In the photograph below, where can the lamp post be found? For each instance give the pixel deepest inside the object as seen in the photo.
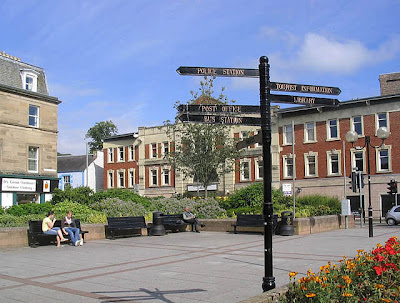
(352, 137)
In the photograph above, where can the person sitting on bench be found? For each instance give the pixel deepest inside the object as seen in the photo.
(68, 226)
(191, 218)
(49, 229)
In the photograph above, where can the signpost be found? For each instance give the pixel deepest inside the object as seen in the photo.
(217, 71)
(231, 117)
(218, 108)
(249, 141)
(226, 120)
(304, 100)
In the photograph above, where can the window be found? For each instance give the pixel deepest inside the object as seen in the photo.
(131, 150)
(333, 161)
(287, 167)
(287, 134)
(309, 132)
(67, 181)
(154, 150)
(29, 83)
(382, 120)
(259, 169)
(131, 177)
(245, 170)
(333, 129)
(110, 155)
(165, 148)
(357, 125)
(33, 159)
(154, 177)
(357, 158)
(383, 160)
(29, 80)
(244, 135)
(311, 165)
(121, 178)
(33, 116)
(110, 179)
(121, 154)
(165, 177)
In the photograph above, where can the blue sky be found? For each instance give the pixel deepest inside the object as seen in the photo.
(117, 60)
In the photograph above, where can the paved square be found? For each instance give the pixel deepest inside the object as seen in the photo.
(180, 267)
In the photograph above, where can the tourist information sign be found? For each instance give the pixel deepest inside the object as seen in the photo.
(218, 108)
(303, 100)
(265, 121)
(305, 88)
(249, 141)
(226, 120)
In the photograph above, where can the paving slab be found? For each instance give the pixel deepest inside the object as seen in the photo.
(179, 267)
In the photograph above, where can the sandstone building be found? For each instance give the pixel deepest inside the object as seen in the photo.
(28, 134)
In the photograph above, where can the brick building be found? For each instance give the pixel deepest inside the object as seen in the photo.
(28, 134)
(136, 160)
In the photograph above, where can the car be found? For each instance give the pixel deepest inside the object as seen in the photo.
(393, 215)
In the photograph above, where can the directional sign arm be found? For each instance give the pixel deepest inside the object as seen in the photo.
(225, 120)
(304, 100)
(217, 71)
(305, 88)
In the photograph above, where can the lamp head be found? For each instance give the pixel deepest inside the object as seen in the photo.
(382, 133)
(351, 136)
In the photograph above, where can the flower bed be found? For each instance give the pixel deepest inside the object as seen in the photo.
(369, 277)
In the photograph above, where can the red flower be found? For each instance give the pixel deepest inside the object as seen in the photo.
(379, 270)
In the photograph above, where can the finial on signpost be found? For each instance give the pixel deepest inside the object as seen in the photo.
(264, 59)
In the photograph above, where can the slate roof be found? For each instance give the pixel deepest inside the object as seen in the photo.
(10, 74)
(72, 163)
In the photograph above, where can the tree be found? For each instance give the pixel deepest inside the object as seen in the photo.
(202, 151)
(100, 131)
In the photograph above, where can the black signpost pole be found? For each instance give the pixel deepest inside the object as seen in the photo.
(265, 111)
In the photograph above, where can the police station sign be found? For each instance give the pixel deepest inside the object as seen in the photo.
(14, 184)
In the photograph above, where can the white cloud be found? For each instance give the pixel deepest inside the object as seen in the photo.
(327, 55)
(62, 91)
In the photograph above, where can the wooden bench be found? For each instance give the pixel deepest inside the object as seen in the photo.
(125, 227)
(36, 235)
(175, 223)
(252, 221)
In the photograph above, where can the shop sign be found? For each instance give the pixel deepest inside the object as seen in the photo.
(46, 186)
(14, 184)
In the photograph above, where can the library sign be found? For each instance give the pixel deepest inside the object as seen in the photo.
(14, 184)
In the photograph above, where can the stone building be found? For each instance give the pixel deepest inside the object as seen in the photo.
(28, 134)
(322, 158)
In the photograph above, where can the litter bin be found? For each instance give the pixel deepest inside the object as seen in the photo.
(286, 226)
(158, 229)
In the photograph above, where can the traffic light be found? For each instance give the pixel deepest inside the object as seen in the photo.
(392, 187)
(362, 180)
(353, 182)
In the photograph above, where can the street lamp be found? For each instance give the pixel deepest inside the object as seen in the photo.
(352, 137)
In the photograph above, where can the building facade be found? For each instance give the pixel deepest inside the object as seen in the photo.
(82, 170)
(321, 161)
(28, 134)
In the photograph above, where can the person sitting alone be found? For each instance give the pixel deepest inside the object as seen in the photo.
(68, 226)
(191, 218)
(49, 229)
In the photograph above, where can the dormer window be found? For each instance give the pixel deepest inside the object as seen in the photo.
(29, 80)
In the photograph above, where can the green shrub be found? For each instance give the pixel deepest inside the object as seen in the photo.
(203, 208)
(320, 205)
(82, 195)
(253, 196)
(114, 207)
(121, 194)
(7, 220)
(29, 208)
